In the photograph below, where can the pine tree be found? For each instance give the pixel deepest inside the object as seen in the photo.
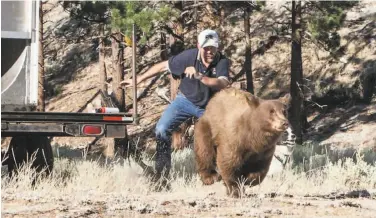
(118, 18)
(148, 18)
(297, 117)
(324, 18)
(320, 21)
(248, 8)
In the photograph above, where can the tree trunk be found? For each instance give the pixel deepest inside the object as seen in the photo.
(297, 112)
(195, 15)
(41, 103)
(163, 46)
(178, 140)
(117, 57)
(176, 46)
(248, 51)
(102, 67)
(121, 145)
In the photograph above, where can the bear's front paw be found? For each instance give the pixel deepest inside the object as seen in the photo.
(234, 192)
(210, 178)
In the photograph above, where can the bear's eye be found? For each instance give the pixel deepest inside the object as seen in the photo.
(272, 111)
(284, 111)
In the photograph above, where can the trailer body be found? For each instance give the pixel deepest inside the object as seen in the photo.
(30, 130)
(19, 84)
(19, 55)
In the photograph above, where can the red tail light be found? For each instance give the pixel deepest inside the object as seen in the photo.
(92, 130)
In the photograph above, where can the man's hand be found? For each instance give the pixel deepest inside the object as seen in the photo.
(126, 83)
(215, 83)
(192, 73)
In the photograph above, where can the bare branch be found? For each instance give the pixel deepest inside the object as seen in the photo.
(287, 8)
(319, 44)
(171, 32)
(86, 18)
(195, 5)
(315, 103)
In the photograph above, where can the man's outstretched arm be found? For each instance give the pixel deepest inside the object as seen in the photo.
(153, 71)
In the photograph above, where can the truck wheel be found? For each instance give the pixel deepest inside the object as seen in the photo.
(27, 148)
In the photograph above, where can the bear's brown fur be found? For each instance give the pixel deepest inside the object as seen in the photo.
(238, 133)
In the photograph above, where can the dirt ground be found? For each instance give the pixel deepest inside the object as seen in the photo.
(209, 206)
(90, 196)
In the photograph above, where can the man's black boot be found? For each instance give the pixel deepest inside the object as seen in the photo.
(162, 165)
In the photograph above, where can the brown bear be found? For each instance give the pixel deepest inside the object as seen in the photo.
(238, 134)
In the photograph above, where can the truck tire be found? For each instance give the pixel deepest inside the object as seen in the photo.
(27, 148)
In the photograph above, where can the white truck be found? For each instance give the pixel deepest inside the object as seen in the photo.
(19, 92)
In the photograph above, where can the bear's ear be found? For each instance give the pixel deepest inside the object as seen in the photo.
(286, 99)
(253, 101)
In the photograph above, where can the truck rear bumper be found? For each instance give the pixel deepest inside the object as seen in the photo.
(64, 124)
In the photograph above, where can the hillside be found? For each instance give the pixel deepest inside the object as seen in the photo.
(317, 182)
(332, 84)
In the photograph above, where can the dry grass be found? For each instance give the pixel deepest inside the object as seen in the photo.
(90, 187)
(78, 187)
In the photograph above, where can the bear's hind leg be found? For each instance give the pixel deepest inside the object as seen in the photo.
(205, 153)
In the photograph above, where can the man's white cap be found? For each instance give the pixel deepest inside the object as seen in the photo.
(208, 38)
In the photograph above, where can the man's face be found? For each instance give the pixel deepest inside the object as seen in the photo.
(208, 53)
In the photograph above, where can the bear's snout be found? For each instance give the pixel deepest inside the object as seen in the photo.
(280, 125)
(285, 124)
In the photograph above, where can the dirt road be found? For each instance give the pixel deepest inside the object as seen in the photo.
(212, 205)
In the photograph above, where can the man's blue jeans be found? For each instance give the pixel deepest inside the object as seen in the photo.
(180, 110)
